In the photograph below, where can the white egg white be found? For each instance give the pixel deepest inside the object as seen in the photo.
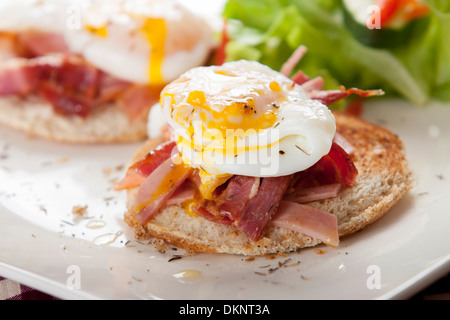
(45, 16)
(300, 135)
(156, 122)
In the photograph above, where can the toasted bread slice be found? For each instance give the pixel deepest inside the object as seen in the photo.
(106, 124)
(383, 179)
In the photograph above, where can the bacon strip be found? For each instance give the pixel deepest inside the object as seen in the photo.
(260, 210)
(310, 221)
(335, 167)
(338, 165)
(205, 211)
(315, 86)
(328, 97)
(240, 190)
(67, 81)
(110, 88)
(221, 56)
(229, 199)
(63, 103)
(72, 85)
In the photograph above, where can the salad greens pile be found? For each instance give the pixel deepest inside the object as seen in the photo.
(269, 31)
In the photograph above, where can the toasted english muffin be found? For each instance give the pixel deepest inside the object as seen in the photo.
(383, 178)
(106, 124)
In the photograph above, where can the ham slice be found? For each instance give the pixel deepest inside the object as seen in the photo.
(138, 99)
(184, 193)
(300, 77)
(16, 77)
(293, 60)
(110, 88)
(43, 43)
(261, 208)
(10, 47)
(307, 220)
(313, 84)
(158, 187)
(21, 76)
(343, 143)
(315, 193)
(137, 172)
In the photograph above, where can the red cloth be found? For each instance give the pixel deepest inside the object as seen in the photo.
(11, 290)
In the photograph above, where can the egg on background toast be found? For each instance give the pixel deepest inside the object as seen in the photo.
(98, 65)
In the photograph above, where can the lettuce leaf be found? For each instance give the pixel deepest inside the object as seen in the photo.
(270, 30)
(441, 22)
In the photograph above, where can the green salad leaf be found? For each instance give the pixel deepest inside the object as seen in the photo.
(269, 31)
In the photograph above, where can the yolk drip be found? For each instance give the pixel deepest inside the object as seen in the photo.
(99, 31)
(189, 205)
(155, 30)
(210, 182)
(274, 86)
(175, 174)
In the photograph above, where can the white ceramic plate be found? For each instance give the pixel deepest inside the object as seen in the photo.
(95, 256)
(44, 245)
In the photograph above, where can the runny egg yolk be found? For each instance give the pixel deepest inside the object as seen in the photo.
(239, 114)
(155, 31)
(210, 182)
(101, 31)
(189, 205)
(227, 120)
(98, 31)
(236, 115)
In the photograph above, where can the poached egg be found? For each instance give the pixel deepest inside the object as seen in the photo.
(148, 42)
(141, 41)
(244, 118)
